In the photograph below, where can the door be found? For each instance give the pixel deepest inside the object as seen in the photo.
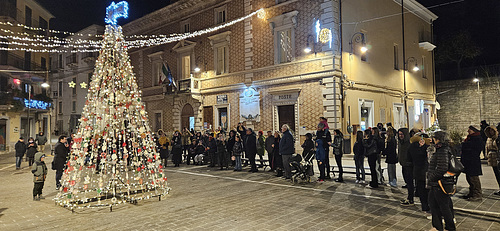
(286, 115)
(208, 117)
(3, 134)
(187, 117)
(366, 114)
(223, 119)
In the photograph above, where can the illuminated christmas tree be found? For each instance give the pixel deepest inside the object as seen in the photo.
(113, 158)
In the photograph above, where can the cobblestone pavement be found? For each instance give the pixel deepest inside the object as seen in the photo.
(205, 198)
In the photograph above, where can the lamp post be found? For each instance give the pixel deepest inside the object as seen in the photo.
(476, 80)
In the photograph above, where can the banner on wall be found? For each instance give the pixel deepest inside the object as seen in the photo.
(250, 105)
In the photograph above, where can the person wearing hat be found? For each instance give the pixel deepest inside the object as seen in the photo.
(20, 150)
(39, 170)
(471, 151)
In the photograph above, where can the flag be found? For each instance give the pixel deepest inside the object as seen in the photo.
(165, 75)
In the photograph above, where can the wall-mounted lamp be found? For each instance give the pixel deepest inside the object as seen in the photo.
(358, 37)
(310, 48)
(412, 59)
(200, 60)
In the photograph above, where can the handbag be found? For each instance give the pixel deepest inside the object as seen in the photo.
(455, 166)
(53, 166)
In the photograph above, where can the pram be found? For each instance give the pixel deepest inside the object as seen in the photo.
(302, 167)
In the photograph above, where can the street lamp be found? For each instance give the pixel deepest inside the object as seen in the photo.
(412, 59)
(308, 48)
(45, 85)
(476, 80)
(358, 37)
(197, 62)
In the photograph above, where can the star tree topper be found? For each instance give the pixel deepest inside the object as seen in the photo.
(115, 11)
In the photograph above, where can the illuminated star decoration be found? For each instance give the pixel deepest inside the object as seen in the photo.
(72, 84)
(83, 85)
(115, 11)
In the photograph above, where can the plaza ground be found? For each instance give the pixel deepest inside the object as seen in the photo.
(205, 198)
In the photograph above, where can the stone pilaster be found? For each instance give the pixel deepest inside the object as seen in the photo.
(248, 41)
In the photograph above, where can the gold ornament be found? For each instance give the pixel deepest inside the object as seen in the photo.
(325, 35)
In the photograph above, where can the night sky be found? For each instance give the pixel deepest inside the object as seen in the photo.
(480, 17)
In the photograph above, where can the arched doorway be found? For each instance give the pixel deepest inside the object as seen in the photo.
(187, 117)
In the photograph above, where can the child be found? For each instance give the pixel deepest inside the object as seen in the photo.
(39, 170)
(237, 152)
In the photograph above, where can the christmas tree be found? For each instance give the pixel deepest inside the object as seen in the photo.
(113, 159)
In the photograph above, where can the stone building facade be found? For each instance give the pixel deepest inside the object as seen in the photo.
(461, 101)
(266, 56)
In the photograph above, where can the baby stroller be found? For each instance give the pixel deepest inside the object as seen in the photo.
(302, 166)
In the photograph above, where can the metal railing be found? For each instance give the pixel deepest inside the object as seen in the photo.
(19, 62)
(185, 85)
(71, 59)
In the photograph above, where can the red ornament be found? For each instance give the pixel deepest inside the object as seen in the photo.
(65, 189)
(138, 169)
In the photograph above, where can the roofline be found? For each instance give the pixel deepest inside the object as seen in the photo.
(418, 10)
(45, 11)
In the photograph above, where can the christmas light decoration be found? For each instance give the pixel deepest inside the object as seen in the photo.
(325, 35)
(72, 84)
(83, 85)
(261, 14)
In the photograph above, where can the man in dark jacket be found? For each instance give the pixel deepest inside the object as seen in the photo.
(250, 146)
(417, 158)
(212, 149)
(326, 137)
(471, 151)
(287, 148)
(61, 151)
(269, 148)
(439, 202)
(41, 140)
(403, 145)
(20, 150)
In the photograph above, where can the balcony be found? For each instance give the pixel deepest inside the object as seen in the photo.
(190, 85)
(425, 40)
(89, 57)
(71, 61)
(10, 59)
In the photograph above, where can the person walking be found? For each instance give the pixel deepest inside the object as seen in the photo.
(471, 159)
(261, 147)
(337, 144)
(492, 153)
(440, 203)
(403, 145)
(176, 149)
(61, 151)
(31, 150)
(39, 171)
(417, 158)
(391, 157)
(269, 149)
(41, 140)
(371, 152)
(20, 150)
(250, 145)
(359, 158)
(287, 148)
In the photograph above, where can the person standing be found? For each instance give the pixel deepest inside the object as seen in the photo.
(269, 148)
(338, 140)
(471, 159)
(277, 159)
(417, 158)
(371, 152)
(241, 130)
(287, 148)
(176, 148)
(211, 149)
(41, 140)
(221, 151)
(39, 171)
(261, 147)
(31, 150)
(250, 145)
(308, 152)
(186, 141)
(230, 144)
(492, 153)
(359, 158)
(20, 150)
(483, 125)
(237, 152)
(391, 157)
(61, 151)
(380, 147)
(403, 145)
(320, 153)
(162, 145)
(440, 203)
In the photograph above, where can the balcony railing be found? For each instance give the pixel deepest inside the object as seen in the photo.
(89, 57)
(10, 59)
(71, 60)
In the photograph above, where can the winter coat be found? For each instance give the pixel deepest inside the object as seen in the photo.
(492, 152)
(61, 155)
(320, 152)
(337, 145)
(403, 145)
(200, 149)
(326, 137)
(41, 140)
(380, 143)
(242, 130)
(238, 149)
(39, 169)
(391, 157)
(287, 144)
(261, 145)
(162, 144)
(370, 147)
(230, 144)
(269, 144)
(471, 150)
(417, 157)
(307, 146)
(30, 152)
(221, 146)
(176, 143)
(20, 149)
(438, 163)
(358, 150)
(186, 138)
(250, 144)
(212, 145)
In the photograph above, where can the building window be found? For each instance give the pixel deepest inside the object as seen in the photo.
(283, 29)
(156, 73)
(221, 57)
(220, 14)
(60, 111)
(90, 78)
(422, 68)
(73, 106)
(186, 66)
(27, 14)
(220, 44)
(43, 63)
(285, 46)
(74, 88)
(185, 26)
(60, 61)
(396, 57)
(60, 88)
